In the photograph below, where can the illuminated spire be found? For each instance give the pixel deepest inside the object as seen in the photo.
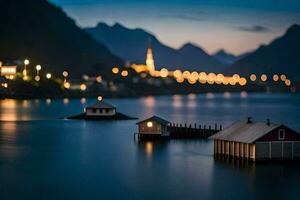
(150, 59)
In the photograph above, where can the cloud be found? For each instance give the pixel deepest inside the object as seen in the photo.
(254, 29)
(199, 16)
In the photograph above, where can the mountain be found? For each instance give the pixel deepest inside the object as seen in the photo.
(280, 56)
(40, 31)
(131, 45)
(227, 58)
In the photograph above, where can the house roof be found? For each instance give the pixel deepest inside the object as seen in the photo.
(244, 132)
(101, 104)
(156, 119)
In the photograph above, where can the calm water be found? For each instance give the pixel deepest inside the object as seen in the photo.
(42, 157)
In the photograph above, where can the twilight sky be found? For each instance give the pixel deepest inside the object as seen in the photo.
(235, 25)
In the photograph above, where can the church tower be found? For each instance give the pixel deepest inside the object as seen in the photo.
(150, 60)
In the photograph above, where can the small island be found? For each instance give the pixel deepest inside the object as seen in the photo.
(101, 111)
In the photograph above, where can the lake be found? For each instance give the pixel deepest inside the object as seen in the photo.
(44, 157)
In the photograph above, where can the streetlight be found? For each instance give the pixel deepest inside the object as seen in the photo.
(48, 75)
(38, 68)
(26, 62)
(65, 74)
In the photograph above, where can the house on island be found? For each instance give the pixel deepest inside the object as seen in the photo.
(9, 72)
(100, 109)
(153, 127)
(257, 141)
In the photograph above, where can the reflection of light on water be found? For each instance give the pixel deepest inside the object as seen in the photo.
(150, 101)
(66, 101)
(8, 110)
(149, 148)
(83, 100)
(9, 132)
(177, 103)
(8, 104)
(191, 104)
(9, 137)
(25, 104)
(227, 95)
(210, 95)
(192, 101)
(192, 96)
(48, 101)
(11, 111)
(244, 94)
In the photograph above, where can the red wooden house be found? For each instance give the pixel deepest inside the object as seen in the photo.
(257, 141)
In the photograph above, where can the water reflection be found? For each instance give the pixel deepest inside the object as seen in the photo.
(244, 94)
(192, 96)
(234, 163)
(192, 103)
(149, 101)
(83, 100)
(177, 101)
(8, 140)
(66, 101)
(48, 101)
(227, 95)
(149, 147)
(210, 95)
(12, 110)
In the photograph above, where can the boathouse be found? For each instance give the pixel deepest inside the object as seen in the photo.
(101, 108)
(257, 141)
(153, 127)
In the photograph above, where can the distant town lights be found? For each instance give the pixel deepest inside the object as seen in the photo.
(264, 77)
(48, 76)
(124, 73)
(253, 77)
(99, 79)
(288, 82)
(37, 78)
(242, 81)
(83, 87)
(67, 85)
(283, 77)
(26, 62)
(115, 70)
(275, 77)
(65, 74)
(38, 67)
(163, 73)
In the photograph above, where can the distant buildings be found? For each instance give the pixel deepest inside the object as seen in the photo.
(9, 72)
(150, 60)
(100, 109)
(257, 141)
(149, 66)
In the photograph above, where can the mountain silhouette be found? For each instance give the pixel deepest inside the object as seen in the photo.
(228, 58)
(42, 32)
(131, 45)
(280, 56)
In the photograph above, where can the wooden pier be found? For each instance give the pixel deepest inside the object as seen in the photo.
(193, 131)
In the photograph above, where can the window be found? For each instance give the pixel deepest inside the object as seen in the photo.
(149, 124)
(281, 134)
